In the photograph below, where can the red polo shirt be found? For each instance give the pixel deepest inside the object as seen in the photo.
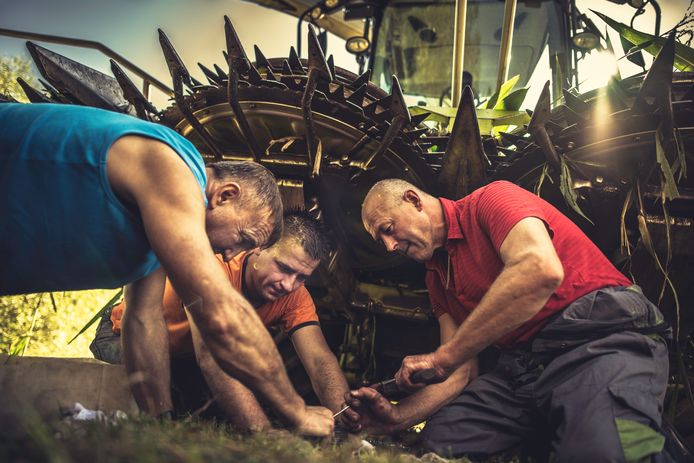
(477, 226)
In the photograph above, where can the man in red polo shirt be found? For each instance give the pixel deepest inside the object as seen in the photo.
(583, 352)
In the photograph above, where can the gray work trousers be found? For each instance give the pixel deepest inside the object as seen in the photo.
(592, 381)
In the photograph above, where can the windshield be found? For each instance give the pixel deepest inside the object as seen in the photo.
(415, 42)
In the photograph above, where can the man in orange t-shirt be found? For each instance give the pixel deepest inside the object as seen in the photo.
(273, 282)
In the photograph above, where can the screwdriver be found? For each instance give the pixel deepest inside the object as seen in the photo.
(390, 387)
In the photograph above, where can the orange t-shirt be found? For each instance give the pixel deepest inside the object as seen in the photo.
(292, 310)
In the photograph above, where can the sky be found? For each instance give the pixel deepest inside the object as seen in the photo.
(196, 29)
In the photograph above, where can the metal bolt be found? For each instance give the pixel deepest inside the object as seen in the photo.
(599, 179)
(570, 145)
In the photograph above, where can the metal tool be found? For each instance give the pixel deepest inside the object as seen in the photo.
(390, 387)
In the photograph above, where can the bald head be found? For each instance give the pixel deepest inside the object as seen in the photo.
(389, 193)
(404, 218)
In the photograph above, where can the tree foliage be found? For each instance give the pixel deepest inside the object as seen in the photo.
(42, 324)
(12, 67)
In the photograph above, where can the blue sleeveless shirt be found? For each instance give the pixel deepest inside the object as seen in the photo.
(61, 225)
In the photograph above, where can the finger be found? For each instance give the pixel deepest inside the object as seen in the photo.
(351, 415)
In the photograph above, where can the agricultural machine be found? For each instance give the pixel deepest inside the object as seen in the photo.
(434, 105)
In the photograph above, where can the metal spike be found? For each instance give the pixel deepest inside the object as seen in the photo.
(238, 64)
(659, 77)
(576, 104)
(31, 93)
(331, 65)
(361, 80)
(401, 117)
(415, 134)
(55, 94)
(295, 62)
(271, 75)
(220, 72)
(419, 118)
(179, 76)
(316, 58)
(357, 96)
(537, 129)
(286, 69)
(176, 67)
(132, 94)
(212, 77)
(196, 82)
(254, 76)
(236, 55)
(339, 94)
(260, 59)
(79, 83)
(464, 164)
(225, 55)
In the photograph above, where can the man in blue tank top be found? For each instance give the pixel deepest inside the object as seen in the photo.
(102, 199)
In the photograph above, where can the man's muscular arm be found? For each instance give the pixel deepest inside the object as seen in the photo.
(146, 344)
(236, 401)
(376, 415)
(320, 363)
(172, 210)
(532, 272)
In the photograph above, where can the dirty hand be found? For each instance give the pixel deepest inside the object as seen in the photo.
(415, 363)
(316, 421)
(371, 412)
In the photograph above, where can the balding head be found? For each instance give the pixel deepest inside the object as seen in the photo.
(404, 218)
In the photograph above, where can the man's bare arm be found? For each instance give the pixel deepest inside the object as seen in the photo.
(386, 418)
(320, 363)
(172, 210)
(236, 401)
(146, 344)
(532, 272)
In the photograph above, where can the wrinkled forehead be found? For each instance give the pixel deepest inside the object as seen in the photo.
(374, 215)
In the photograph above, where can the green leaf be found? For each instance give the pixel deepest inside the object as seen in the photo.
(498, 97)
(19, 344)
(99, 314)
(668, 184)
(567, 189)
(684, 55)
(513, 100)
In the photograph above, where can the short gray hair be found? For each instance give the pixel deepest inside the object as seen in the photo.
(262, 191)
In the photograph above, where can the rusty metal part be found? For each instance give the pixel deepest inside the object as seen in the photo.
(180, 75)
(81, 84)
(238, 64)
(132, 94)
(464, 165)
(31, 93)
(146, 78)
(537, 129)
(401, 116)
(317, 68)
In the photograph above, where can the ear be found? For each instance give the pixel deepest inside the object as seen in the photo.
(411, 196)
(224, 193)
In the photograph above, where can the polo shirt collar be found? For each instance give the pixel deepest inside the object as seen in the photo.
(454, 232)
(450, 215)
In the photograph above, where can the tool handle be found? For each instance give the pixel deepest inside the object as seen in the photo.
(389, 388)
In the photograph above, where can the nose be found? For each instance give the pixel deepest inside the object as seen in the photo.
(288, 283)
(390, 243)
